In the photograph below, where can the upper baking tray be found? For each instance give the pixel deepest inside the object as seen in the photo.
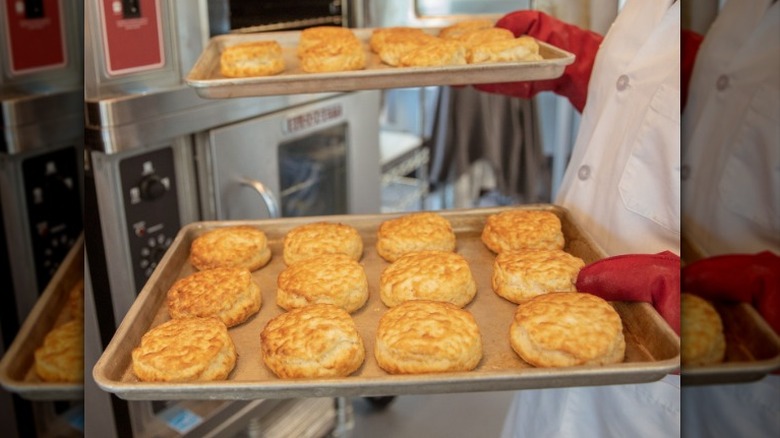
(208, 82)
(652, 348)
(17, 370)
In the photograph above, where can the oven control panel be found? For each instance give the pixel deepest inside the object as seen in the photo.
(151, 209)
(53, 198)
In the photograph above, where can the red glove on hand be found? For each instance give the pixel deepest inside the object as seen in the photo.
(651, 278)
(747, 278)
(584, 44)
(689, 48)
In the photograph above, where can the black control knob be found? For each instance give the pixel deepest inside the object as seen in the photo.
(152, 187)
(156, 254)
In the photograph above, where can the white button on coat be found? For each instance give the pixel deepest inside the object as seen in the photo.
(722, 83)
(584, 172)
(633, 137)
(622, 82)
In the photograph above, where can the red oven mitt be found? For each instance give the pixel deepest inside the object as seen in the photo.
(651, 278)
(584, 44)
(747, 278)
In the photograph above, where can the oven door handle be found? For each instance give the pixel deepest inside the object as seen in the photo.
(270, 201)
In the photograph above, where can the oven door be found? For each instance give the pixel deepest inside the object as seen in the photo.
(316, 159)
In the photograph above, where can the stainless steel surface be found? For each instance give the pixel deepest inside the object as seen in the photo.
(652, 347)
(752, 349)
(132, 121)
(208, 81)
(269, 199)
(251, 150)
(381, 13)
(17, 371)
(100, 421)
(33, 121)
(110, 194)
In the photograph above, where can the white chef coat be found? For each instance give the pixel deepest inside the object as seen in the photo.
(622, 184)
(731, 155)
(623, 180)
(731, 186)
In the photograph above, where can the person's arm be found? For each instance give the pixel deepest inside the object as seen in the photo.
(584, 44)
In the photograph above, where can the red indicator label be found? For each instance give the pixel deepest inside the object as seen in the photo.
(35, 35)
(132, 35)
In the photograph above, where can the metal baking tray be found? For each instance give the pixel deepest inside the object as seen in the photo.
(208, 82)
(652, 350)
(17, 371)
(752, 347)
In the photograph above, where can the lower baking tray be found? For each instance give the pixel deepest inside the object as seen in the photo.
(652, 349)
(752, 347)
(208, 82)
(17, 370)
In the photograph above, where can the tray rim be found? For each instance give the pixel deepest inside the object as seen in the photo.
(303, 83)
(366, 386)
(728, 372)
(42, 390)
(736, 371)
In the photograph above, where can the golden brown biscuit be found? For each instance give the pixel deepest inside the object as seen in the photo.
(702, 341)
(427, 337)
(327, 279)
(76, 300)
(428, 275)
(185, 350)
(567, 329)
(396, 46)
(414, 232)
(314, 36)
(381, 35)
(236, 247)
(61, 357)
(476, 37)
(522, 229)
(320, 238)
(435, 53)
(259, 58)
(458, 29)
(320, 340)
(334, 55)
(229, 294)
(523, 274)
(524, 48)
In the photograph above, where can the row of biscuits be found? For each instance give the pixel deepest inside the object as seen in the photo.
(60, 358)
(426, 281)
(332, 49)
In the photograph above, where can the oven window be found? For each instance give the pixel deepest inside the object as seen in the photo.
(313, 174)
(435, 8)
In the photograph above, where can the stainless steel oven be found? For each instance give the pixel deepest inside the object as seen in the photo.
(321, 158)
(160, 157)
(213, 159)
(41, 148)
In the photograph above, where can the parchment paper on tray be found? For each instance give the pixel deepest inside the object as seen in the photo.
(17, 368)
(208, 82)
(652, 348)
